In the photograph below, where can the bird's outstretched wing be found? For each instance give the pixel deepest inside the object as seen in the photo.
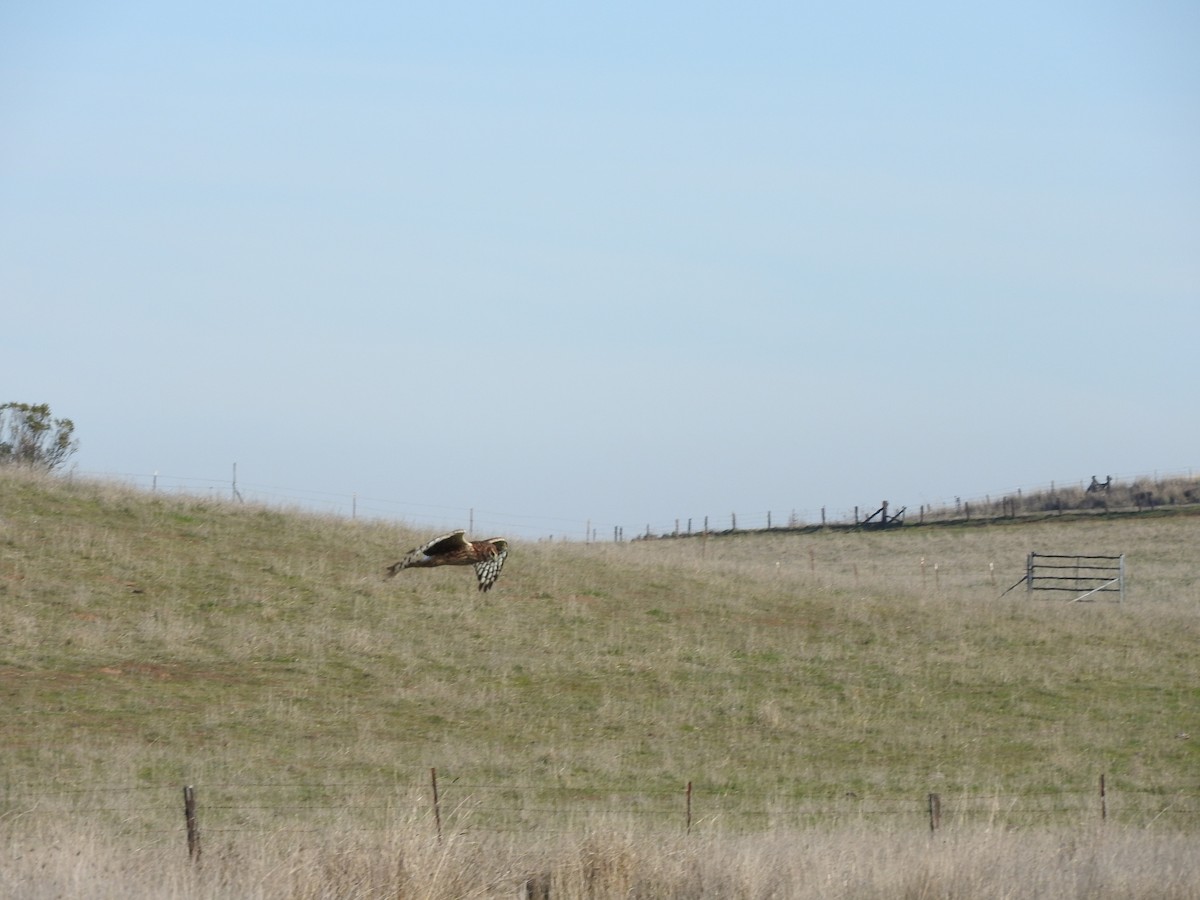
(445, 545)
(439, 551)
(488, 570)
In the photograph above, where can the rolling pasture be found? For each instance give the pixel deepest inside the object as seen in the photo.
(813, 689)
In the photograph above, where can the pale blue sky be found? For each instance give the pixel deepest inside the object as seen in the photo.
(620, 263)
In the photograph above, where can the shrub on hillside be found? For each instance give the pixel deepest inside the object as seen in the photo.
(30, 436)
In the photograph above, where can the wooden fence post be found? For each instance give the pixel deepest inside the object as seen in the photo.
(689, 807)
(437, 807)
(935, 813)
(193, 825)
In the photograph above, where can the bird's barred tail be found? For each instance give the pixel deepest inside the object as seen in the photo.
(409, 560)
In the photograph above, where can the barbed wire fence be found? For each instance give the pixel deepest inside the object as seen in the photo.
(1041, 499)
(222, 813)
(351, 505)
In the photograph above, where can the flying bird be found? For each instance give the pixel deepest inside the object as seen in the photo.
(454, 549)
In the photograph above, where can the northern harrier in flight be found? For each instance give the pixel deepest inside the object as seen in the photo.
(454, 549)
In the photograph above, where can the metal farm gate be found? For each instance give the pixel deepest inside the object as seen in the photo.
(1082, 575)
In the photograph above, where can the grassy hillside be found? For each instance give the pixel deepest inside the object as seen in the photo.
(147, 641)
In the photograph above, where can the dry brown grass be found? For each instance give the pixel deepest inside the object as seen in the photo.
(608, 861)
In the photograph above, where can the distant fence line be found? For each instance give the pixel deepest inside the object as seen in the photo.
(1115, 494)
(1053, 499)
(344, 505)
(457, 805)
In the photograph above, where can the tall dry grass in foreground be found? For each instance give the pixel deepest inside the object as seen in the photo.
(610, 862)
(814, 688)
